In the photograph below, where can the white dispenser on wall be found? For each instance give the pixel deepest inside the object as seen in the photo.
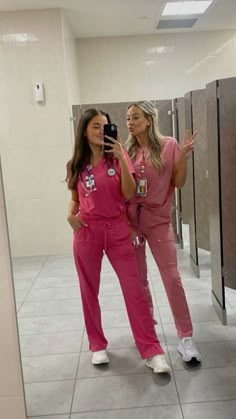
(39, 91)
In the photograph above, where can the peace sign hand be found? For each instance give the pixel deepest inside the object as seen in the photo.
(188, 145)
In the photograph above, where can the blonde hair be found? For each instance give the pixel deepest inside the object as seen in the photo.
(155, 138)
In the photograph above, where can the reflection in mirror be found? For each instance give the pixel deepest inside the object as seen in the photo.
(83, 60)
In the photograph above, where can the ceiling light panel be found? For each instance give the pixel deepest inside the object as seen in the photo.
(186, 8)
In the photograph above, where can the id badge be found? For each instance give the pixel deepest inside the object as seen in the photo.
(89, 181)
(142, 187)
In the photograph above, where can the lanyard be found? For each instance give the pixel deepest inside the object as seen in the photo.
(141, 180)
(142, 165)
(89, 184)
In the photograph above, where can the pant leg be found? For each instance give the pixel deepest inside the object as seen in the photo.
(142, 268)
(88, 257)
(162, 245)
(140, 252)
(120, 252)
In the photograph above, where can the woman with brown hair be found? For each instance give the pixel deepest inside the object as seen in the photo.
(100, 183)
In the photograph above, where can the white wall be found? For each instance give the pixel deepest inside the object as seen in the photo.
(159, 67)
(35, 140)
(71, 63)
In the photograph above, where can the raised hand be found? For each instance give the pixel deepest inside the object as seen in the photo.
(116, 147)
(188, 145)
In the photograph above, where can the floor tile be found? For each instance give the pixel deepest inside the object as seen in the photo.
(51, 343)
(49, 398)
(118, 318)
(47, 324)
(124, 391)
(220, 354)
(56, 281)
(110, 288)
(49, 308)
(21, 294)
(23, 284)
(158, 412)
(50, 367)
(112, 302)
(49, 294)
(121, 337)
(122, 361)
(213, 410)
(206, 384)
(50, 417)
(28, 267)
(58, 268)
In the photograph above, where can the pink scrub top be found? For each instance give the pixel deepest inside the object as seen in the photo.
(160, 190)
(107, 200)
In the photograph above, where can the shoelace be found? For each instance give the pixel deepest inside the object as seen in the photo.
(188, 343)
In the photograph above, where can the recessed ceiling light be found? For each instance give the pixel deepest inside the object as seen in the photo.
(186, 8)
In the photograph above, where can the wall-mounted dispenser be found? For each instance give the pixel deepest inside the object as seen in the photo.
(39, 91)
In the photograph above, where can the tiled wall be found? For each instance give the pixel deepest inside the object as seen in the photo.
(35, 139)
(71, 64)
(12, 404)
(158, 66)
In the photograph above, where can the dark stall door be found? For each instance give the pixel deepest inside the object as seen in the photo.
(178, 195)
(215, 213)
(194, 260)
(185, 191)
(227, 134)
(201, 169)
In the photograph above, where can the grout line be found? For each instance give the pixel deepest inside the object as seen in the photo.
(127, 408)
(40, 270)
(76, 374)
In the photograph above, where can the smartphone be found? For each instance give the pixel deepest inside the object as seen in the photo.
(111, 131)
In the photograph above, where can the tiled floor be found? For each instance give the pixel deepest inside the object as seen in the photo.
(60, 381)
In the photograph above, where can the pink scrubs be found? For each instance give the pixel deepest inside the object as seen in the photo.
(104, 210)
(151, 216)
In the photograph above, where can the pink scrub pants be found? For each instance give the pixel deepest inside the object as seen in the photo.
(112, 236)
(160, 238)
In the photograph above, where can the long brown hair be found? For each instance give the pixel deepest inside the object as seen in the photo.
(82, 152)
(155, 138)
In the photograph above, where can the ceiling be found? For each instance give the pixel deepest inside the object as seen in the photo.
(101, 18)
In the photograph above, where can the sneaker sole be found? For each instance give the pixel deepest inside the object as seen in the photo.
(160, 370)
(101, 362)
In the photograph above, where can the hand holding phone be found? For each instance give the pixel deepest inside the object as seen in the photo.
(110, 130)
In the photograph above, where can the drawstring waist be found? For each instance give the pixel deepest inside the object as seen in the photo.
(138, 212)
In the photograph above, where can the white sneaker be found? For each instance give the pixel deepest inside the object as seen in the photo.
(188, 350)
(158, 364)
(100, 357)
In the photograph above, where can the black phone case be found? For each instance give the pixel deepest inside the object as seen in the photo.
(111, 131)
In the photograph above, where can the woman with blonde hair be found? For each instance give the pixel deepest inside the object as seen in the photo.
(160, 166)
